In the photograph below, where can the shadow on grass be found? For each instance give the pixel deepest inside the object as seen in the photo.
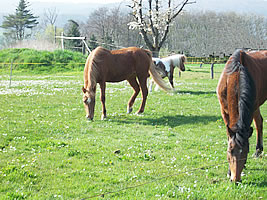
(195, 92)
(171, 121)
(259, 184)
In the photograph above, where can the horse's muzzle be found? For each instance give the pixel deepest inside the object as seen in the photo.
(89, 118)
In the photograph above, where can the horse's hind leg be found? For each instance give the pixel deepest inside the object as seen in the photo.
(170, 76)
(258, 123)
(103, 100)
(133, 82)
(144, 91)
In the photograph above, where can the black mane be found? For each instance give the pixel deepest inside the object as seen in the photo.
(247, 96)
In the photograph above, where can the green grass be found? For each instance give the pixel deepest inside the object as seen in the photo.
(175, 150)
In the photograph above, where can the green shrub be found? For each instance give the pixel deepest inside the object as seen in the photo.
(42, 61)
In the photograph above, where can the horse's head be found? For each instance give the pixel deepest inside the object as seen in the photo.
(182, 61)
(237, 152)
(89, 103)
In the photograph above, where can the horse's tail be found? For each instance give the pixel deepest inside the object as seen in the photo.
(155, 75)
(157, 78)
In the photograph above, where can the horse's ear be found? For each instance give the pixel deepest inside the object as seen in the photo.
(231, 131)
(250, 132)
(84, 90)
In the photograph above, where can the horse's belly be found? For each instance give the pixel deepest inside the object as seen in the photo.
(115, 80)
(120, 75)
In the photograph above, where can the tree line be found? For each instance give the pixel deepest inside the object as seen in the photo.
(193, 33)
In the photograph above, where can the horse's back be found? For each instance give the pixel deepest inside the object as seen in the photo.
(124, 63)
(257, 66)
(256, 63)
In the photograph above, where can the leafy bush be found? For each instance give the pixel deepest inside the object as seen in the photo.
(42, 61)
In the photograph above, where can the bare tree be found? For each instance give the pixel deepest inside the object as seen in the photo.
(50, 16)
(111, 22)
(154, 20)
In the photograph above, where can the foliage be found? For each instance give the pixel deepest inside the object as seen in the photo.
(206, 33)
(55, 61)
(72, 30)
(93, 42)
(107, 40)
(49, 151)
(16, 25)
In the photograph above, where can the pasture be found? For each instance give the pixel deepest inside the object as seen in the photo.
(175, 150)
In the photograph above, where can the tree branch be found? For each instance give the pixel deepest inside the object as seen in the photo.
(181, 8)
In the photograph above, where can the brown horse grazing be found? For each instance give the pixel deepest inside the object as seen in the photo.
(132, 64)
(241, 90)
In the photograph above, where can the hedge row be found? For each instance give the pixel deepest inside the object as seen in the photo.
(42, 61)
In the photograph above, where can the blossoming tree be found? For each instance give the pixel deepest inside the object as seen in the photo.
(154, 20)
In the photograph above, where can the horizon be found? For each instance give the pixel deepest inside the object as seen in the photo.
(79, 1)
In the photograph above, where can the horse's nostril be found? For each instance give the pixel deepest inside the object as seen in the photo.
(89, 118)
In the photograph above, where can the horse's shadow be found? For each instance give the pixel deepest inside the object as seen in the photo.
(171, 121)
(256, 181)
(195, 92)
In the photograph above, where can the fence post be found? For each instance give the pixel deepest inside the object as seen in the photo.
(10, 73)
(83, 48)
(211, 70)
(62, 41)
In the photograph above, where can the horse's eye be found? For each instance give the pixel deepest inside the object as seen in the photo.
(85, 100)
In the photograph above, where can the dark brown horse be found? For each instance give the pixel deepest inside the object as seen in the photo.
(132, 64)
(241, 90)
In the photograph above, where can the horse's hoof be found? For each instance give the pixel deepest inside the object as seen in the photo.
(139, 113)
(129, 110)
(258, 153)
(103, 117)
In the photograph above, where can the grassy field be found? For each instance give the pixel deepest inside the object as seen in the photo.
(175, 150)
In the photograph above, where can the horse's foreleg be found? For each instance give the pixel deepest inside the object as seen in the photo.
(171, 82)
(258, 124)
(144, 91)
(135, 86)
(103, 99)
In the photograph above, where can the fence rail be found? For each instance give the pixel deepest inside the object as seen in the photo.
(190, 60)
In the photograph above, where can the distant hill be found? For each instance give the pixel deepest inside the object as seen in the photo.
(66, 11)
(257, 7)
